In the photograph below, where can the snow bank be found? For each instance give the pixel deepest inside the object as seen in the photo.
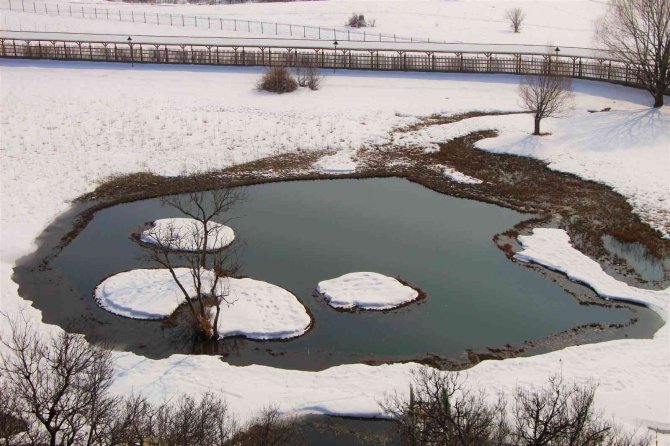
(186, 234)
(257, 310)
(368, 291)
(338, 163)
(551, 248)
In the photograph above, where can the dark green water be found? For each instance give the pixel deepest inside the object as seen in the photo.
(298, 233)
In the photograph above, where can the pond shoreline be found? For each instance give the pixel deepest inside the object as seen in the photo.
(297, 167)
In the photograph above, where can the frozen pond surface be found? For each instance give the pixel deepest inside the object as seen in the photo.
(296, 234)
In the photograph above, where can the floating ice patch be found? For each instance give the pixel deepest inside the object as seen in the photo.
(186, 234)
(551, 248)
(257, 310)
(368, 291)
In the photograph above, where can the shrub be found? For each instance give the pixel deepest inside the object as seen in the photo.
(308, 76)
(277, 80)
(357, 21)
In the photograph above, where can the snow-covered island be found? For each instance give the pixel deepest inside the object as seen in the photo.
(186, 234)
(366, 291)
(257, 309)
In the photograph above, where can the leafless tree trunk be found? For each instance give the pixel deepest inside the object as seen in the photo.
(200, 249)
(637, 32)
(545, 95)
(515, 16)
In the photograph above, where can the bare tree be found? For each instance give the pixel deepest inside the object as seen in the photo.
(205, 207)
(545, 95)
(515, 16)
(202, 250)
(60, 384)
(638, 33)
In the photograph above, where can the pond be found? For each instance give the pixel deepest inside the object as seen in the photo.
(296, 234)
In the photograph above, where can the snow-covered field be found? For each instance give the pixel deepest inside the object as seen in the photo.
(367, 291)
(547, 24)
(65, 127)
(186, 234)
(252, 308)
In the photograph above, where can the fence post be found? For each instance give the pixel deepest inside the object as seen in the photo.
(276, 28)
(145, 16)
(132, 13)
(248, 26)
(120, 19)
(182, 20)
(348, 35)
(35, 8)
(262, 32)
(234, 24)
(106, 10)
(10, 8)
(290, 29)
(95, 9)
(319, 33)
(221, 25)
(304, 32)
(70, 9)
(209, 22)
(23, 6)
(158, 19)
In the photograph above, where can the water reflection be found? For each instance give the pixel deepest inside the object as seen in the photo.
(636, 257)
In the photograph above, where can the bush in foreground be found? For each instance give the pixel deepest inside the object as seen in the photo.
(277, 80)
(441, 411)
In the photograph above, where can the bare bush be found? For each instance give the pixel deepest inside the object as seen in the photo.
(277, 80)
(191, 421)
(357, 20)
(270, 428)
(545, 95)
(11, 425)
(638, 32)
(307, 75)
(442, 411)
(515, 17)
